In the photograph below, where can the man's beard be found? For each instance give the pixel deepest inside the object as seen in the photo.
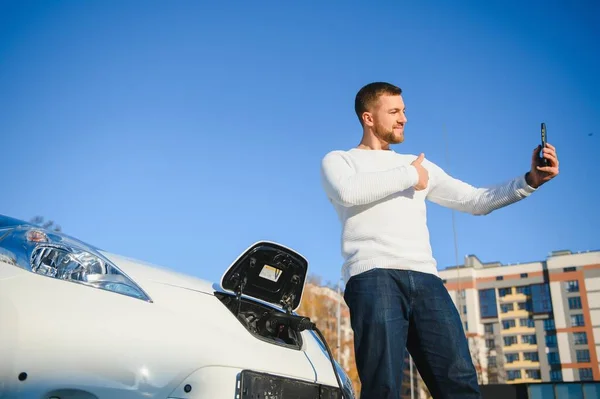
(388, 135)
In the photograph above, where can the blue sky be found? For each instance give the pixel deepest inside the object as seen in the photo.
(180, 133)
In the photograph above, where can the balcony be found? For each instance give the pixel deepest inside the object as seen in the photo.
(518, 330)
(522, 364)
(523, 380)
(514, 314)
(514, 297)
(520, 347)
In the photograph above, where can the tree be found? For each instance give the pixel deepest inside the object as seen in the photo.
(319, 303)
(475, 350)
(313, 279)
(496, 372)
(48, 225)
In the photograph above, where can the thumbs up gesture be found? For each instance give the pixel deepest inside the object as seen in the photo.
(423, 174)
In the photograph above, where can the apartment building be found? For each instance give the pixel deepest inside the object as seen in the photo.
(531, 322)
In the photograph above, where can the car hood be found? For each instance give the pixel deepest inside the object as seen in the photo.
(142, 272)
(266, 271)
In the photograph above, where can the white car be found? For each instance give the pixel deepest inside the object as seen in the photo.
(77, 322)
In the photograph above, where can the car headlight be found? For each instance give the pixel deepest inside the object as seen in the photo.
(56, 256)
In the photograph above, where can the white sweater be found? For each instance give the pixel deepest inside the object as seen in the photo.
(384, 221)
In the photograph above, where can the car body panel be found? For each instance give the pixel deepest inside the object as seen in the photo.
(96, 343)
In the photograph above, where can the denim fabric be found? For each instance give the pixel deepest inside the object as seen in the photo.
(391, 310)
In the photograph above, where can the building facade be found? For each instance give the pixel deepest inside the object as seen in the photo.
(531, 322)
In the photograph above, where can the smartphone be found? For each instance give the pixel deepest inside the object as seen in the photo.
(544, 141)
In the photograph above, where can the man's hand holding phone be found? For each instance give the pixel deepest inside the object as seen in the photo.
(544, 163)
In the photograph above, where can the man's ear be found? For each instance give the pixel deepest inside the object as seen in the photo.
(367, 118)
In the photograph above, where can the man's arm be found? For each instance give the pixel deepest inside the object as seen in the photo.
(455, 194)
(345, 186)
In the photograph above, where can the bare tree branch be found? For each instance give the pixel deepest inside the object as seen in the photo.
(48, 225)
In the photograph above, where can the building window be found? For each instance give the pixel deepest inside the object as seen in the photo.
(540, 296)
(512, 357)
(586, 374)
(465, 309)
(541, 391)
(488, 328)
(575, 302)
(508, 341)
(569, 269)
(524, 275)
(577, 320)
(487, 303)
(529, 339)
(556, 375)
(526, 322)
(492, 361)
(553, 358)
(490, 344)
(499, 278)
(513, 374)
(533, 374)
(461, 294)
(526, 290)
(506, 324)
(507, 307)
(523, 322)
(549, 325)
(466, 326)
(504, 292)
(583, 355)
(551, 340)
(525, 306)
(580, 338)
(531, 356)
(572, 286)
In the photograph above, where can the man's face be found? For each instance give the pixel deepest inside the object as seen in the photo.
(388, 119)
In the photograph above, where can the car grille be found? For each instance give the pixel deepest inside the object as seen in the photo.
(254, 385)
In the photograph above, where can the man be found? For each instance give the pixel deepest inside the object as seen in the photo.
(393, 291)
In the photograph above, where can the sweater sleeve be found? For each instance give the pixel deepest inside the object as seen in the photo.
(347, 187)
(455, 194)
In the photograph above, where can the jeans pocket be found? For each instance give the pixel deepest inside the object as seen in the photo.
(360, 276)
(365, 273)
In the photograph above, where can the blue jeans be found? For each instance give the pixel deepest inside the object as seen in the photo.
(391, 310)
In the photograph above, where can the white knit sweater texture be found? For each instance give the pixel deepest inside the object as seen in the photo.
(384, 220)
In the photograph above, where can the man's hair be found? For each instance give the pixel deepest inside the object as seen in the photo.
(368, 95)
